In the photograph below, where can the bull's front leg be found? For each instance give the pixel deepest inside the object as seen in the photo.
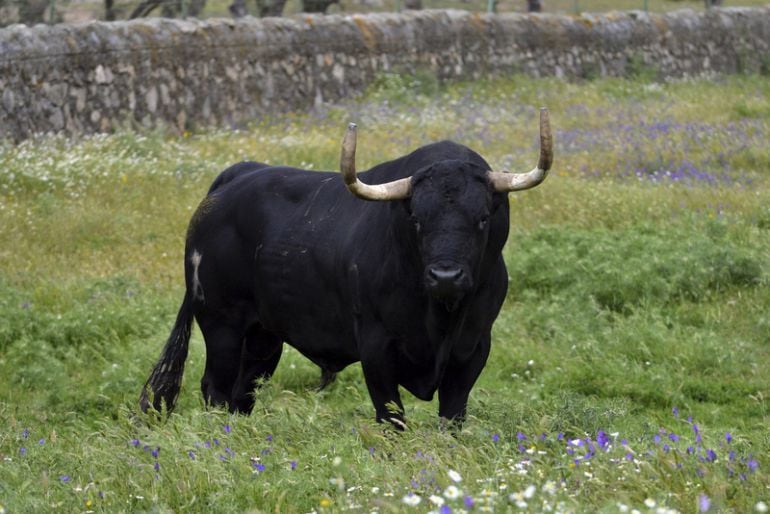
(379, 363)
(457, 382)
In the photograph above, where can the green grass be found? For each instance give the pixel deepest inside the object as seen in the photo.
(638, 284)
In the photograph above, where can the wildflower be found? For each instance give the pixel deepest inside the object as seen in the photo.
(64, 478)
(41, 442)
(227, 429)
(728, 437)
(191, 454)
(258, 467)
(293, 465)
(650, 503)
(753, 465)
(25, 433)
(337, 461)
(411, 499)
(269, 438)
(760, 507)
(451, 493)
(156, 466)
(454, 476)
(438, 501)
(704, 503)
(673, 437)
(675, 411)
(23, 451)
(325, 502)
(135, 442)
(445, 509)
(602, 439)
(549, 487)
(520, 436)
(155, 452)
(469, 503)
(495, 437)
(529, 492)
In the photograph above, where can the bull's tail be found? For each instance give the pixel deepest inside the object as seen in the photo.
(166, 378)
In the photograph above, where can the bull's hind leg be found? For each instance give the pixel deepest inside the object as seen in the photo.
(260, 355)
(224, 345)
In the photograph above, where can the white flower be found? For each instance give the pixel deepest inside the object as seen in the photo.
(452, 493)
(650, 503)
(411, 499)
(454, 476)
(549, 487)
(760, 507)
(529, 492)
(337, 461)
(438, 501)
(622, 507)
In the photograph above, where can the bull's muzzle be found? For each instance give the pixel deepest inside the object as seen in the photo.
(447, 283)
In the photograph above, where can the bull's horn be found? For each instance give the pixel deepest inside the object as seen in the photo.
(396, 190)
(507, 182)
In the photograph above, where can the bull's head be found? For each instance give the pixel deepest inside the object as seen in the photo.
(450, 203)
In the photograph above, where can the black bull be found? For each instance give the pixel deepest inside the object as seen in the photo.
(409, 284)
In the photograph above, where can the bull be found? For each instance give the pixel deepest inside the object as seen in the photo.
(405, 275)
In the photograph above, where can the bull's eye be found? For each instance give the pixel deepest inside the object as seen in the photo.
(483, 222)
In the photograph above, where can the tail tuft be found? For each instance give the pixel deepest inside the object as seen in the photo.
(166, 378)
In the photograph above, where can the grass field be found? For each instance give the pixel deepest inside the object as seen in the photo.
(629, 363)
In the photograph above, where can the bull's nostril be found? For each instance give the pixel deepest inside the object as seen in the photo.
(445, 275)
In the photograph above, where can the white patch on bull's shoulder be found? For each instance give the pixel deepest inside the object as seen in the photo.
(197, 288)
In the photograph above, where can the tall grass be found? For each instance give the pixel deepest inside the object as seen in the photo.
(628, 368)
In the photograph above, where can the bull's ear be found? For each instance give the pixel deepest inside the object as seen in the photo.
(507, 182)
(395, 190)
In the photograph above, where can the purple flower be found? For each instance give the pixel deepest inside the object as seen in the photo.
(259, 467)
(711, 455)
(731, 455)
(25, 433)
(155, 452)
(191, 454)
(41, 442)
(753, 465)
(468, 502)
(445, 509)
(675, 411)
(629, 456)
(673, 437)
(624, 442)
(520, 436)
(656, 439)
(293, 464)
(728, 437)
(216, 441)
(157, 466)
(495, 437)
(690, 450)
(23, 451)
(704, 503)
(269, 438)
(371, 450)
(602, 439)
(64, 478)
(135, 442)
(227, 429)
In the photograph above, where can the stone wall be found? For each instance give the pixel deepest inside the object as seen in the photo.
(99, 76)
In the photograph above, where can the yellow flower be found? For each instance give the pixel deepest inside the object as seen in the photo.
(325, 502)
